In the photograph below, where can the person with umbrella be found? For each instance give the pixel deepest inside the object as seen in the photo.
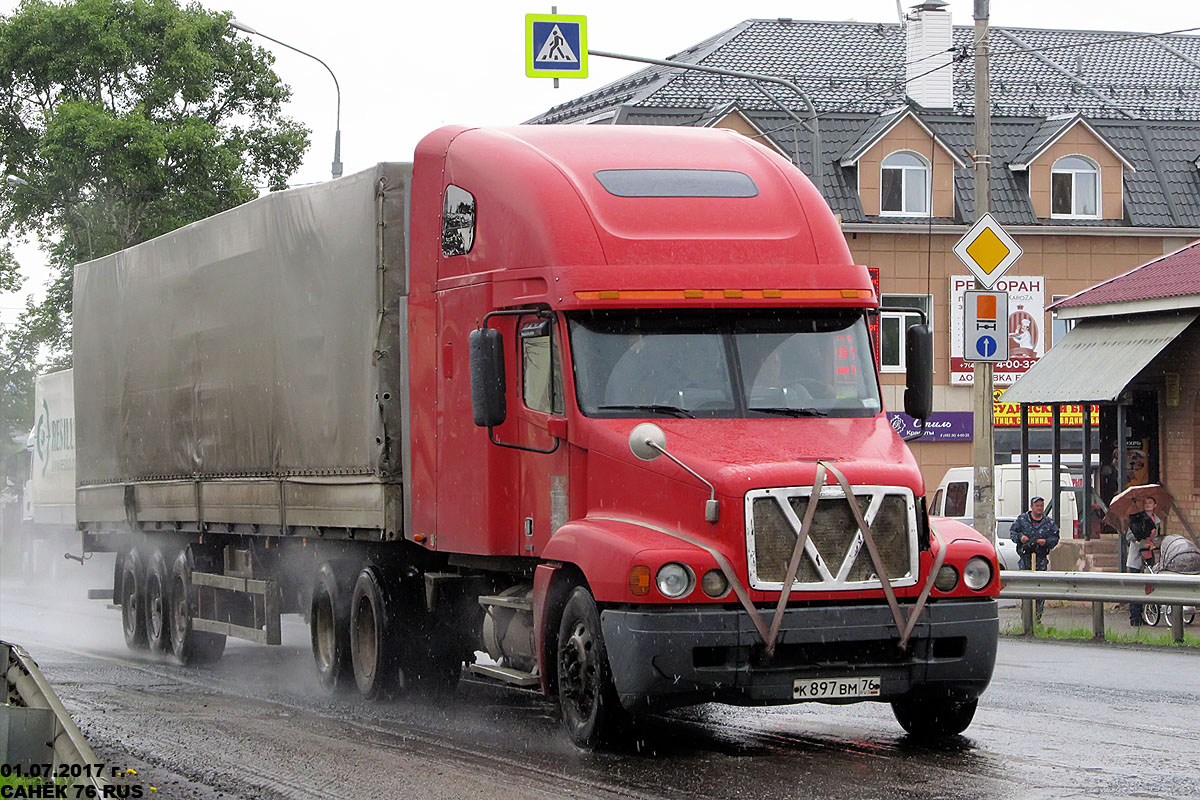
(1145, 528)
(1035, 534)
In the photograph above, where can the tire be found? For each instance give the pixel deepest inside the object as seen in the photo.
(158, 604)
(329, 625)
(190, 646)
(934, 716)
(1152, 613)
(591, 712)
(133, 600)
(1189, 614)
(373, 652)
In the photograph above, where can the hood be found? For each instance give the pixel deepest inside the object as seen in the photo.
(738, 455)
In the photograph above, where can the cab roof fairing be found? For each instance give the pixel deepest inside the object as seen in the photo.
(539, 205)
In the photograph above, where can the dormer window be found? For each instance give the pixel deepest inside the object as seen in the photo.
(904, 185)
(1075, 188)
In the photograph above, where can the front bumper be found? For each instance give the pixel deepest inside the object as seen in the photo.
(672, 657)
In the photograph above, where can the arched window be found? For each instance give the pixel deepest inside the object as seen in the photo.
(904, 185)
(1075, 188)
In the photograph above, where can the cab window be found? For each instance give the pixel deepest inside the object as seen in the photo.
(956, 499)
(541, 367)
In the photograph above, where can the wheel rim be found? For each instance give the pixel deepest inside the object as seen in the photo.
(366, 643)
(154, 597)
(325, 634)
(129, 604)
(578, 675)
(179, 610)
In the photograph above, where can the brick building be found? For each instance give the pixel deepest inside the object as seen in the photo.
(1095, 147)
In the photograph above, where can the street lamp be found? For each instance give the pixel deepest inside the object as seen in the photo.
(13, 180)
(337, 136)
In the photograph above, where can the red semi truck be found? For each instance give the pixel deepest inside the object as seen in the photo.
(590, 399)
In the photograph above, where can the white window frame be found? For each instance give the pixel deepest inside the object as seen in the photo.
(923, 301)
(1055, 169)
(905, 169)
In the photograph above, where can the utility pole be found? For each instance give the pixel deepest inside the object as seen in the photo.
(983, 444)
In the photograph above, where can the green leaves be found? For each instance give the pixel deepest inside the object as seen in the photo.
(128, 119)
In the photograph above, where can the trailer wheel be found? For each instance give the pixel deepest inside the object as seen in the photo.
(133, 595)
(373, 650)
(190, 646)
(329, 624)
(591, 711)
(158, 604)
(934, 716)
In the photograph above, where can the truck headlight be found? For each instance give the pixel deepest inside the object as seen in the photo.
(978, 573)
(674, 580)
(947, 578)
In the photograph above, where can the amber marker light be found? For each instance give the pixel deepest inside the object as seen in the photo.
(639, 581)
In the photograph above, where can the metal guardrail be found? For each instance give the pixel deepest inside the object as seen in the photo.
(1102, 587)
(25, 682)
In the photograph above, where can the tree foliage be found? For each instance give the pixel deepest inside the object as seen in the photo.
(127, 119)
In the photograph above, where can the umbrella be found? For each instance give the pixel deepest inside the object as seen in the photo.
(1129, 502)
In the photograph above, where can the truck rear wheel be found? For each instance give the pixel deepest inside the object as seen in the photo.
(158, 603)
(133, 612)
(373, 650)
(190, 646)
(591, 711)
(934, 716)
(329, 624)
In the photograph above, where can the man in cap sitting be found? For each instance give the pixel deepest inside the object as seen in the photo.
(1034, 533)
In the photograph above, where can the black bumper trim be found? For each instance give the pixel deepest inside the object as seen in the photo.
(679, 656)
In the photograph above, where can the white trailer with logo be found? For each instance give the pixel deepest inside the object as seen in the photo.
(49, 528)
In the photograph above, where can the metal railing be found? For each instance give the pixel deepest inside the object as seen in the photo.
(1100, 588)
(25, 683)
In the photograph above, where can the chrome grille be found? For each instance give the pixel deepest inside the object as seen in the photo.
(835, 554)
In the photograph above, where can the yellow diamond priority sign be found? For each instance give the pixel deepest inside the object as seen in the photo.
(987, 250)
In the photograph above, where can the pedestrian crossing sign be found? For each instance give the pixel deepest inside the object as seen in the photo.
(555, 46)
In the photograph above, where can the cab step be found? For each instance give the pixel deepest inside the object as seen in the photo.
(513, 677)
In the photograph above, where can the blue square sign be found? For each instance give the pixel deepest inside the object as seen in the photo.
(555, 46)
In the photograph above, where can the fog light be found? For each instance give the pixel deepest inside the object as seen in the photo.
(978, 573)
(947, 578)
(674, 580)
(714, 583)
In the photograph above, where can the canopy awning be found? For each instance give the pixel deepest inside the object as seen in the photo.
(1097, 359)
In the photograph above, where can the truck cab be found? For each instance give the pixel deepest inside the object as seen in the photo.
(598, 298)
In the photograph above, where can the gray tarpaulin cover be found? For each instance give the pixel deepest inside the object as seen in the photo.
(244, 344)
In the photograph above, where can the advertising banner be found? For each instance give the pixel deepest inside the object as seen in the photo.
(942, 426)
(1026, 337)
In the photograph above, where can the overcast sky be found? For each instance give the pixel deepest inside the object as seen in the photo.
(408, 67)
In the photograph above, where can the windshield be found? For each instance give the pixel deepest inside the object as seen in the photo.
(751, 363)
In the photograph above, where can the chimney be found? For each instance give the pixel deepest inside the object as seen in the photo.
(929, 36)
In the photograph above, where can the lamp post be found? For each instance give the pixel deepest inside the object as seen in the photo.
(13, 180)
(337, 136)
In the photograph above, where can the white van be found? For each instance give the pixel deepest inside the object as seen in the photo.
(955, 498)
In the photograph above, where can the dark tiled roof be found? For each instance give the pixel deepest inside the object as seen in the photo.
(1141, 95)
(843, 65)
(1046, 133)
(1173, 275)
(872, 132)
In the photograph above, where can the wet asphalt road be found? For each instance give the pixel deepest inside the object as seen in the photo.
(1059, 721)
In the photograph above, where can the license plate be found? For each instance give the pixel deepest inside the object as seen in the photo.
(834, 688)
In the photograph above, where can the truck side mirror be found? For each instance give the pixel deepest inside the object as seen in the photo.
(487, 377)
(918, 395)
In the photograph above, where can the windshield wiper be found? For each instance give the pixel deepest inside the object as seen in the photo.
(791, 412)
(673, 411)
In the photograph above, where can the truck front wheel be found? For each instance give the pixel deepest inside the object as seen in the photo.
(591, 711)
(934, 715)
(133, 595)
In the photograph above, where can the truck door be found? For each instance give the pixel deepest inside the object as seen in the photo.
(542, 493)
